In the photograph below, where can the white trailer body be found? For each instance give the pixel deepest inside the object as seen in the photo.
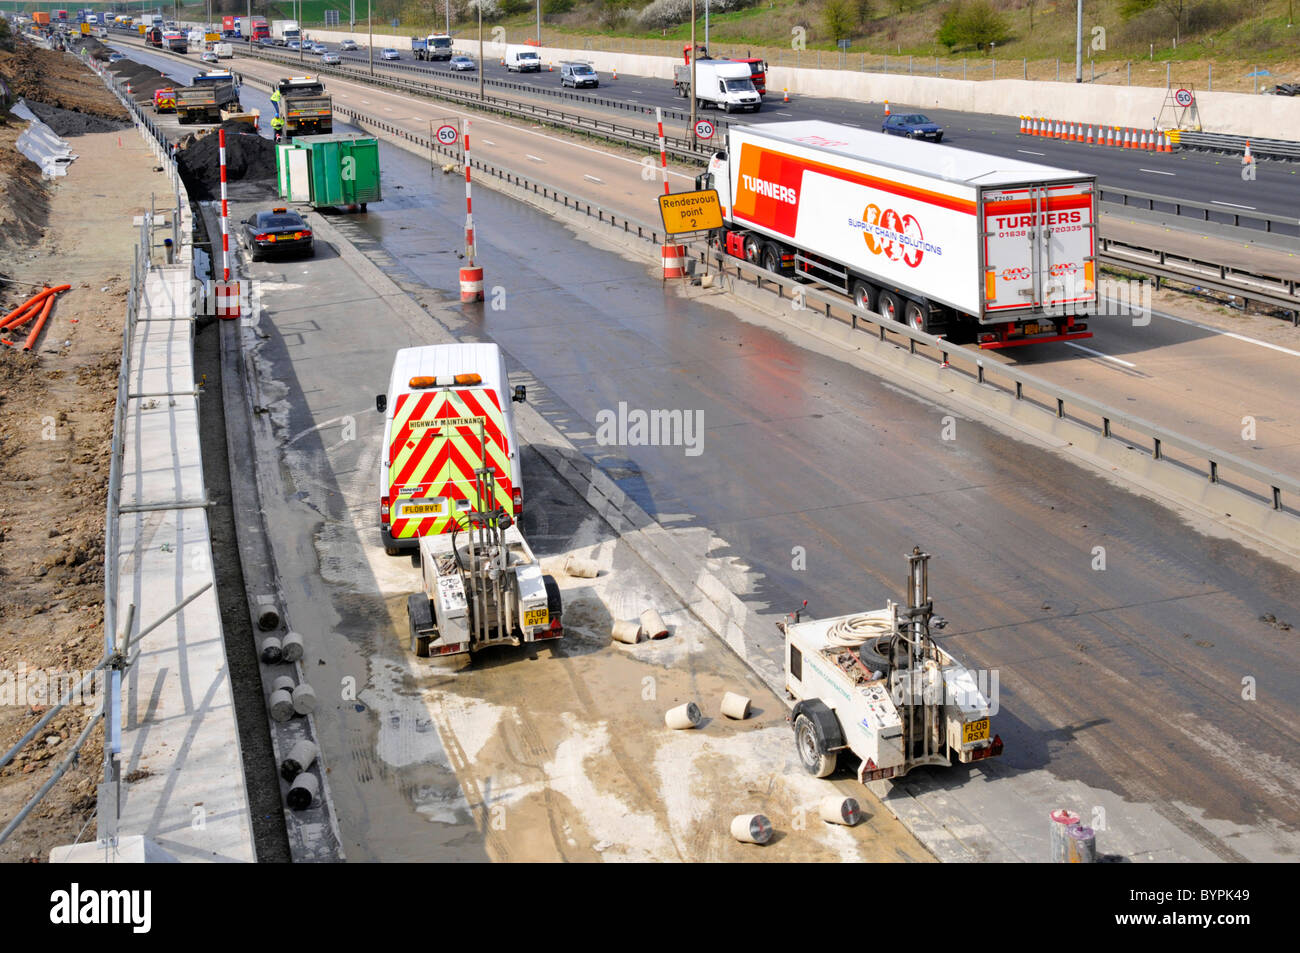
(285, 30)
(1006, 244)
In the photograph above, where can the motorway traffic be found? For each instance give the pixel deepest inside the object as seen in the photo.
(1121, 627)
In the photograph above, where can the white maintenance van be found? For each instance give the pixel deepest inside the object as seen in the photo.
(875, 684)
(720, 83)
(523, 59)
(450, 487)
(974, 246)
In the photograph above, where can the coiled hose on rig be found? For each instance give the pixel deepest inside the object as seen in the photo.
(855, 630)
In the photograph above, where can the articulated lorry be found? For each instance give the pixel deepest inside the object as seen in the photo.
(305, 107)
(977, 247)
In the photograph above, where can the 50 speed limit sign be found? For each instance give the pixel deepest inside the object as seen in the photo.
(704, 129)
(447, 135)
(1183, 97)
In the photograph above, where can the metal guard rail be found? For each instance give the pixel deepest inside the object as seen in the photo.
(1202, 211)
(1259, 148)
(1053, 400)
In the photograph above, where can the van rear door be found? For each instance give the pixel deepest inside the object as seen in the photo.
(438, 440)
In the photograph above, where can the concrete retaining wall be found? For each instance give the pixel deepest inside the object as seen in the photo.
(1242, 114)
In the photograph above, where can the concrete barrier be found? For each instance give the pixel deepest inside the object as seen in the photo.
(1241, 114)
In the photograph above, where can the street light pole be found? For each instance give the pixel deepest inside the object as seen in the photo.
(1078, 46)
(370, 32)
(480, 49)
(706, 24)
(693, 58)
(539, 24)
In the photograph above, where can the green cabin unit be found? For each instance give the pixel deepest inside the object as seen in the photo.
(338, 169)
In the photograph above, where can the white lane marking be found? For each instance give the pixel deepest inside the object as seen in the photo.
(594, 179)
(388, 109)
(1029, 153)
(1157, 172)
(533, 157)
(488, 142)
(366, 101)
(1105, 357)
(1249, 208)
(1228, 334)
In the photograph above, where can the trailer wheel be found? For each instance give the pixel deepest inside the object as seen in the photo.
(864, 296)
(771, 258)
(554, 605)
(889, 306)
(753, 248)
(915, 317)
(419, 615)
(816, 760)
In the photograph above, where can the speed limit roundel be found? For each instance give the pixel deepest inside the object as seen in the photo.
(1183, 97)
(447, 135)
(704, 129)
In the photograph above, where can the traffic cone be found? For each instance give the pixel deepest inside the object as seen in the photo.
(1128, 139)
(1149, 141)
(616, 72)
(1078, 134)
(1110, 135)
(787, 95)
(1247, 159)
(1022, 125)
(886, 107)
(1165, 145)
(1091, 140)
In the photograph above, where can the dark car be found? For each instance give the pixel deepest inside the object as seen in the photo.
(913, 126)
(279, 231)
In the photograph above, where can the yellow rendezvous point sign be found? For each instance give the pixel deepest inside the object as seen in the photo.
(690, 211)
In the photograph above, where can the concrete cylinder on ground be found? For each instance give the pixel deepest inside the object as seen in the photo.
(652, 625)
(735, 706)
(629, 633)
(272, 650)
(683, 716)
(834, 809)
(751, 828)
(281, 705)
(301, 757)
(471, 284)
(582, 568)
(304, 699)
(1061, 822)
(283, 683)
(1081, 846)
(303, 792)
(292, 646)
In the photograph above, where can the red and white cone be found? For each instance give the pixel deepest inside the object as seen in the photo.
(674, 259)
(471, 284)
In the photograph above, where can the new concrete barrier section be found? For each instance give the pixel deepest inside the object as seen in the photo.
(1233, 113)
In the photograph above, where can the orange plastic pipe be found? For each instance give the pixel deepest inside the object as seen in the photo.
(34, 299)
(22, 318)
(40, 323)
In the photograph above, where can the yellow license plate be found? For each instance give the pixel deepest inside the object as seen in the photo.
(536, 617)
(975, 731)
(1031, 329)
(410, 508)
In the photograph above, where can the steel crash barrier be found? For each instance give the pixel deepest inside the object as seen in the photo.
(1199, 211)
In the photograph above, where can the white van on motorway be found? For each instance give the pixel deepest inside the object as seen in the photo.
(578, 74)
(523, 59)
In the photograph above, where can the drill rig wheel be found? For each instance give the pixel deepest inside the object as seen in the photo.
(817, 761)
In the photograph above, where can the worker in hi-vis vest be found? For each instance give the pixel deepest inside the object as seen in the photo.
(275, 101)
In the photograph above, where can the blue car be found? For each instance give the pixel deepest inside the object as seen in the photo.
(913, 126)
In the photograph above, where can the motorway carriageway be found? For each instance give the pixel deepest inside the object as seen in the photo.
(1175, 371)
(1121, 687)
(1187, 175)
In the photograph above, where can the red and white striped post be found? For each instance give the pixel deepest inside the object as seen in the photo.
(225, 307)
(663, 152)
(471, 277)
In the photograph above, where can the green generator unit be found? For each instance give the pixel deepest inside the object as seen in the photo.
(329, 170)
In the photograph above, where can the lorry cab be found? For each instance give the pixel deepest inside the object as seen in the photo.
(735, 87)
(449, 447)
(523, 59)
